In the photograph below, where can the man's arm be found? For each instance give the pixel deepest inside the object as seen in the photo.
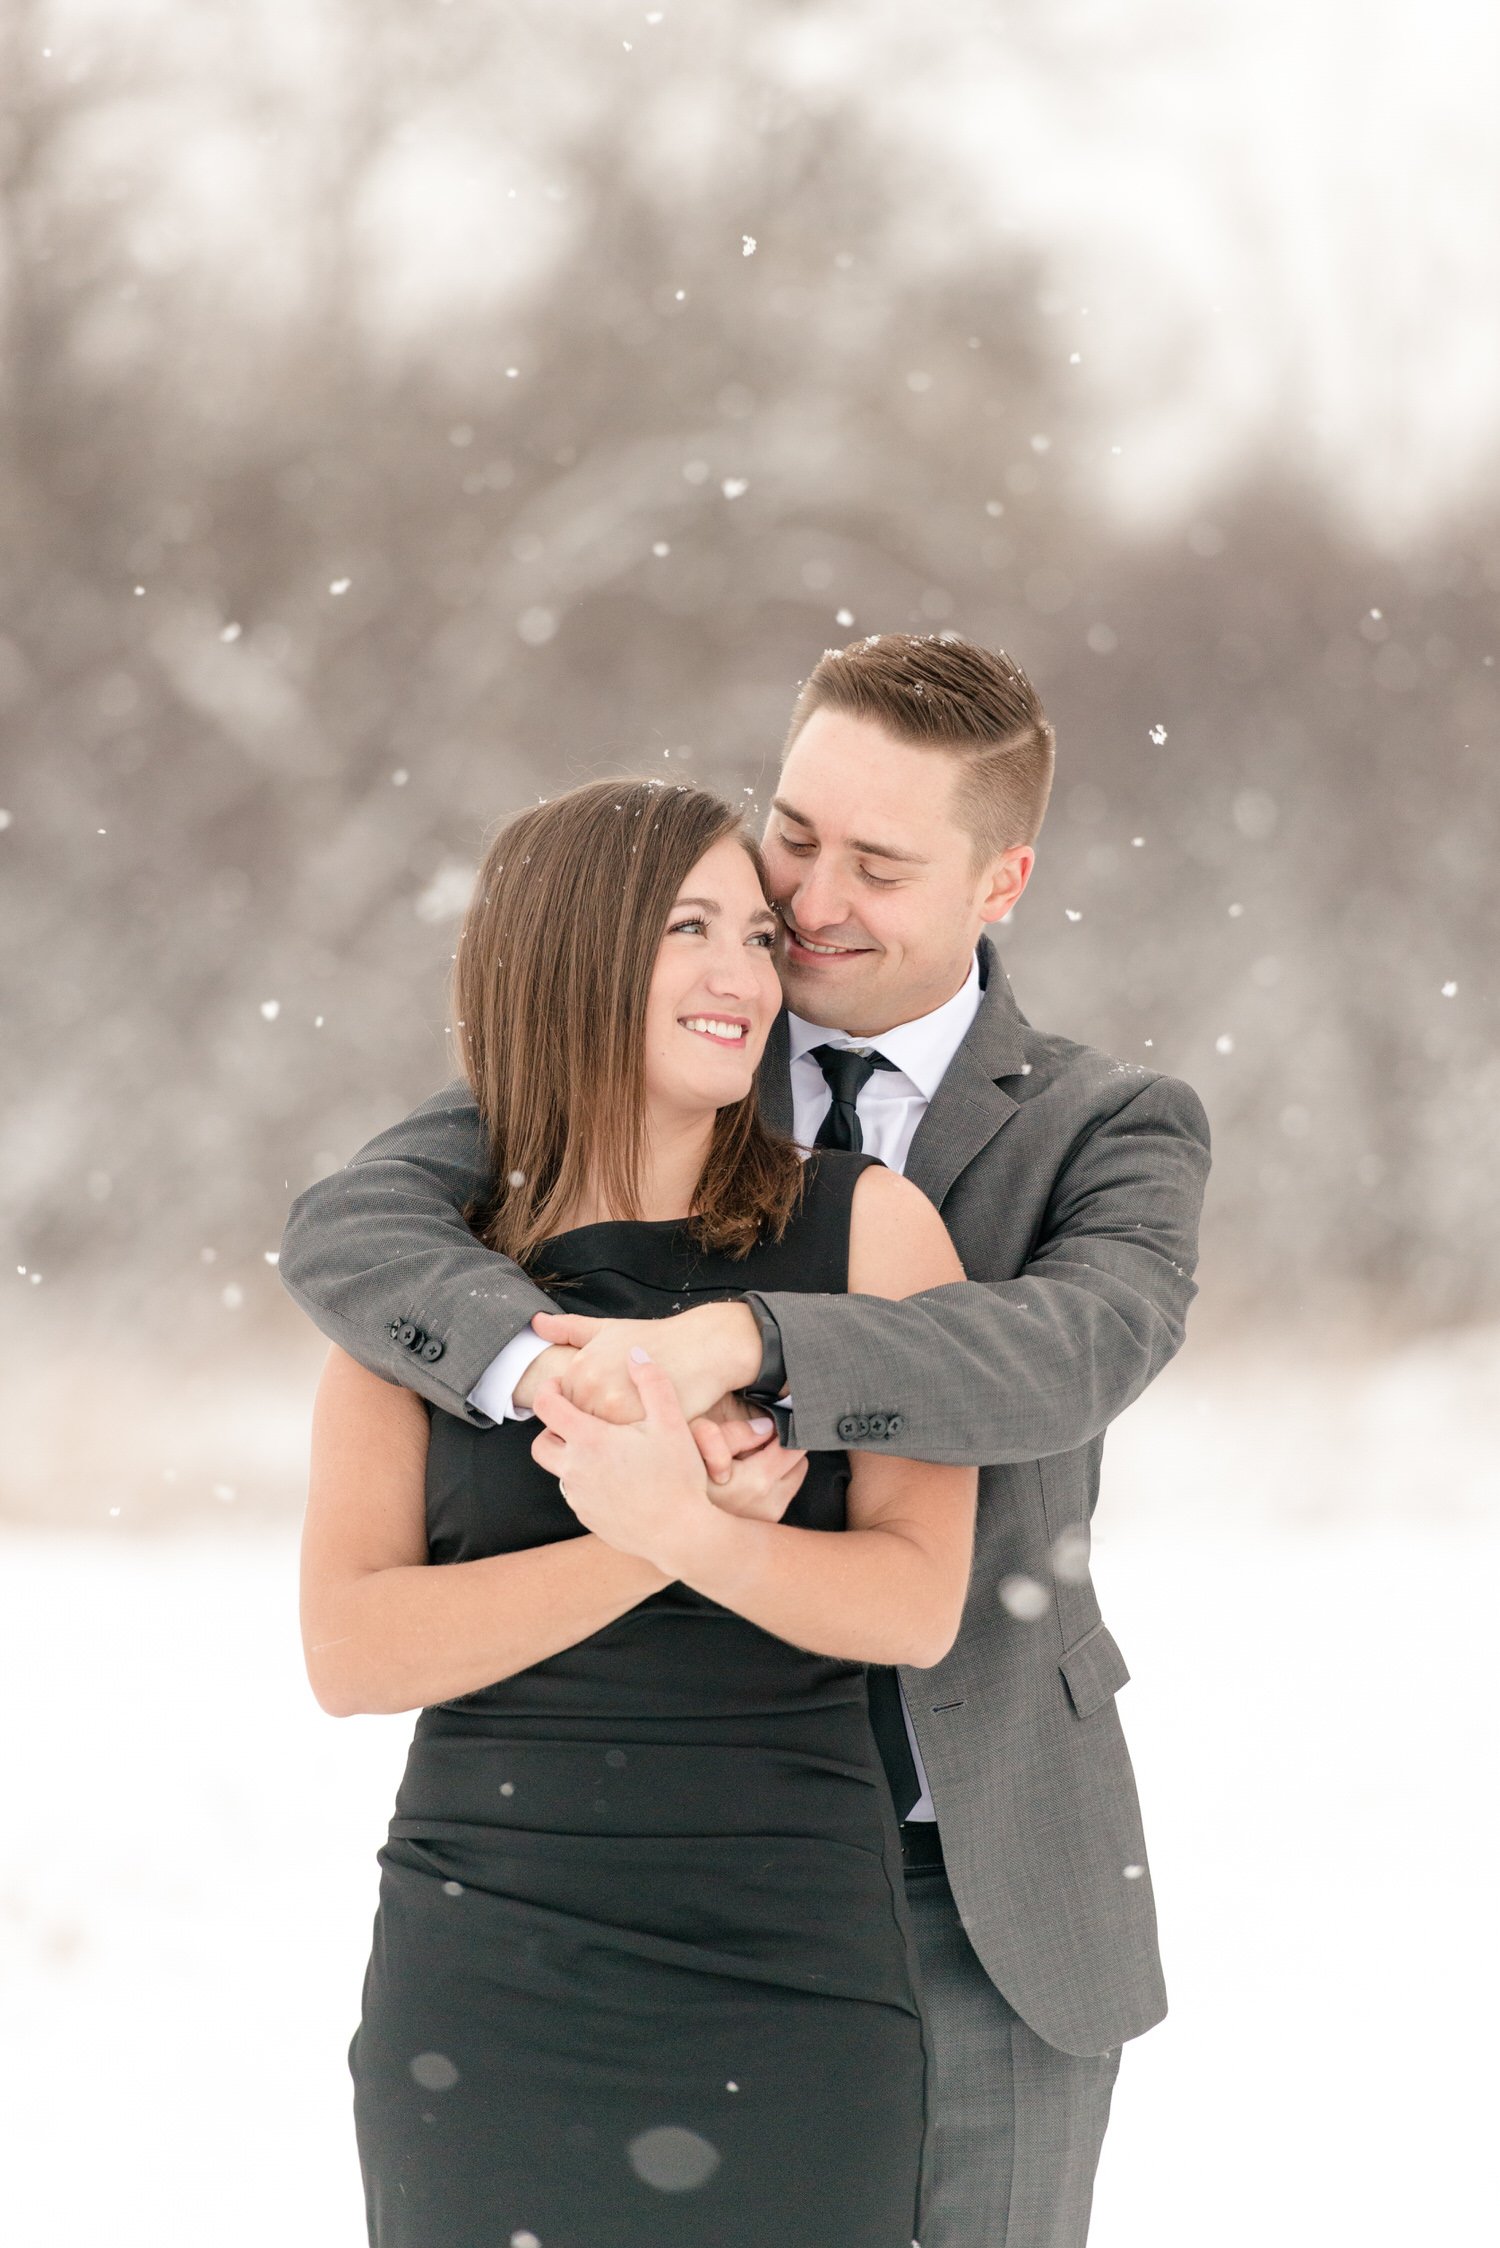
(983, 1371)
(382, 1245)
(987, 1372)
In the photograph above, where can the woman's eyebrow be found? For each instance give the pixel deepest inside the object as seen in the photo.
(712, 905)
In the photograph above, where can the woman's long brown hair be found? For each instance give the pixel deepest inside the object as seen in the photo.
(549, 988)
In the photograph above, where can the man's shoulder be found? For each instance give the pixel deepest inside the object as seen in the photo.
(1086, 1084)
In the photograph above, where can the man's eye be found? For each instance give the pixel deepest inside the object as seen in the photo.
(880, 881)
(798, 850)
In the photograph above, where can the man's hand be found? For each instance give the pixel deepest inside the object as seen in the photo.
(638, 1486)
(548, 1366)
(704, 1352)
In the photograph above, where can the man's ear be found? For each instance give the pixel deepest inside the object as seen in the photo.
(1005, 879)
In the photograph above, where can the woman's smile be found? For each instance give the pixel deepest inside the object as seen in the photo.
(725, 1030)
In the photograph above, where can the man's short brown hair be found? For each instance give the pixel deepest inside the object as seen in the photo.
(939, 693)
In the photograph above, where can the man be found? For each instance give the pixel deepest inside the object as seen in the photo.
(914, 783)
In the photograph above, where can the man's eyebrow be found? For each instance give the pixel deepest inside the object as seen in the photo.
(856, 843)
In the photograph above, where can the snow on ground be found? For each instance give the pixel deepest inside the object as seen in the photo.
(1301, 1573)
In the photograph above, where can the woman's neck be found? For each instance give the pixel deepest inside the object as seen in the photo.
(673, 1153)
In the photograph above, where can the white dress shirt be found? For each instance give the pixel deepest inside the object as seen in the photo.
(890, 1106)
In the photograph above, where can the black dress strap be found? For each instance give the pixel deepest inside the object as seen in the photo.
(819, 1233)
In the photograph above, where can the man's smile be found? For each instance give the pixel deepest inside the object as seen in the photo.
(809, 948)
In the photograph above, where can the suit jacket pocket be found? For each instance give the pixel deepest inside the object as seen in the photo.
(1093, 1671)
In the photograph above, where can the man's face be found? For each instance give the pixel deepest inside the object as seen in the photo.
(880, 897)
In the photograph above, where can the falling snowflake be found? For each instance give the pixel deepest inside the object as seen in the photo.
(1132, 1873)
(1158, 735)
(230, 632)
(673, 2159)
(733, 486)
(1223, 1044)
(400, 777)
(661, 550)
(270, 1008)
(433, 2071)
(1450, 991)
(340, 585)
(844, 617)
(1071, 914)
(1070, 1557)
(1023, 1598)
(747, 245)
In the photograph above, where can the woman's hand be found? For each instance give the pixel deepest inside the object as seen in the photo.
(760, 1478)
(641, 1485)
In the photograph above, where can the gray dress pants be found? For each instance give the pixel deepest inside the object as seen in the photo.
(1014, 2126)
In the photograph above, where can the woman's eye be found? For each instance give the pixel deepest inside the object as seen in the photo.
(767, 939)
(684, 928)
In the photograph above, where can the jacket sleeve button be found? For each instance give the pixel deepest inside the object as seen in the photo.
(894, 1424)
(432, 1349)
(406, 1335)
(879, 1426)
(848, 1428)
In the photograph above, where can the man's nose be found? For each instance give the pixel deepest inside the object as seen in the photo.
(820, 900)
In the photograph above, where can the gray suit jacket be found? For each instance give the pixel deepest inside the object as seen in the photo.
(1071, 1185)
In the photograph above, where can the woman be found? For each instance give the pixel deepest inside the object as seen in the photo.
(640, 1971)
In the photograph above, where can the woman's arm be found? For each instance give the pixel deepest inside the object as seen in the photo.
(382, 1630)
(890, 1588)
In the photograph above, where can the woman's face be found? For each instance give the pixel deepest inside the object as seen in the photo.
(714, 992)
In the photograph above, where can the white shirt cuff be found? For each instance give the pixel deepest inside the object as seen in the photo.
(494, 1394)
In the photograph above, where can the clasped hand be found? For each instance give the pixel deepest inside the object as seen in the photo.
(642, 1486)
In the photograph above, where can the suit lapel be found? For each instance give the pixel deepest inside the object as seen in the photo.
(969, 1107)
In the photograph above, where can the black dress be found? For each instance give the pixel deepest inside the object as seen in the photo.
(641, 1971)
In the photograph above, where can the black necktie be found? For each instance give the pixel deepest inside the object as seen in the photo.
(847, 1073)
(889, 1727)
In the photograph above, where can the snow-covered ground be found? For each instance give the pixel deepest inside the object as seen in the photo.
(1301, 1571)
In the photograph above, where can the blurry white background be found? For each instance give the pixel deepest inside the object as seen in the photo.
(411, 407)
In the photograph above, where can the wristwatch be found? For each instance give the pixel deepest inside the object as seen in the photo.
(770, 1378)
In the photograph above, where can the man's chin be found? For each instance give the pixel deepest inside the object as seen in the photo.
(811, 986)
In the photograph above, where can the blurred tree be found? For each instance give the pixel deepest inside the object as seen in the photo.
(479, 401)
